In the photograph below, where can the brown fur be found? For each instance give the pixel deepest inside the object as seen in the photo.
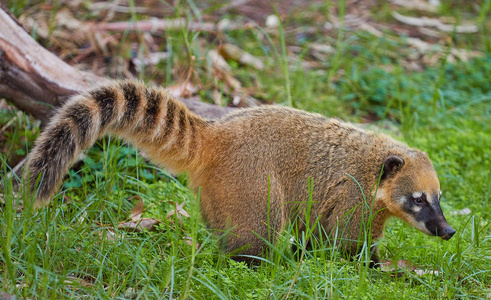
(231, 160)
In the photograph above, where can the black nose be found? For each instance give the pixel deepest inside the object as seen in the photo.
(448, 233)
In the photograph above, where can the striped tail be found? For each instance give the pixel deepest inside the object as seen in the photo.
(147, 117)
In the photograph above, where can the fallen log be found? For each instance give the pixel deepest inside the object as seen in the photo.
(36, 80)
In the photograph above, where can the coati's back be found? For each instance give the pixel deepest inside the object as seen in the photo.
(252, 165)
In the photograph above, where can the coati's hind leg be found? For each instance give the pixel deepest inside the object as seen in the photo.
(245, 232)
(250, 242)
(244, 217)
(245, 246)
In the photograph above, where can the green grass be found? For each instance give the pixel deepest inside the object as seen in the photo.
(74, 249)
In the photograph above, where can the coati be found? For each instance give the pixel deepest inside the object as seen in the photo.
(253, 165)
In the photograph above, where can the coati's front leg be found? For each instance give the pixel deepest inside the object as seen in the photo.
(374, 258)
(353, 252)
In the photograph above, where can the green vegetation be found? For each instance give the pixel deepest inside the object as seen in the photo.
(74, 248)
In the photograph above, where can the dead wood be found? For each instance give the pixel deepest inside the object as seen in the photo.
(36, 80)
(33, 78)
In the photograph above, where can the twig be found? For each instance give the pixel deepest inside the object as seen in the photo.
(416, 4)
(429, 22)
(231, 5)
(155, 25)
(16, 169)
(8, 124)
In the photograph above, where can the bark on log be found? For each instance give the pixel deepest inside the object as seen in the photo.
(36, 80)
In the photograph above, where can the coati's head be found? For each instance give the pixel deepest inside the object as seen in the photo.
(411, 191)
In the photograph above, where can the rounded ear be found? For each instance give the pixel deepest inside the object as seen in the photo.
(392, 164)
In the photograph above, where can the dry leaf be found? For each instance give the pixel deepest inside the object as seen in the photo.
(188, 240)
(321, 51)
(108, 234)
(40, 25)
(218, 61)
(98, 42)
(65, 18)
(232, 87)
(149, 224)
(232, 52)
(224, 24)
(421, 272)
(130, 293)
(369, 28)
(5, 296)
(82, 217)
(182, 89)
(430, 32)
(113, 6)
(390, 266)
(138, 223)
(350, 20)
(152, 59)
(137, 211)
(404, 265)
(217, 97)
(70, 280)
(425, 48)
(232, 82)
(180, 211)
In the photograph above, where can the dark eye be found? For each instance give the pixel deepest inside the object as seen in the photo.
(419, 198)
